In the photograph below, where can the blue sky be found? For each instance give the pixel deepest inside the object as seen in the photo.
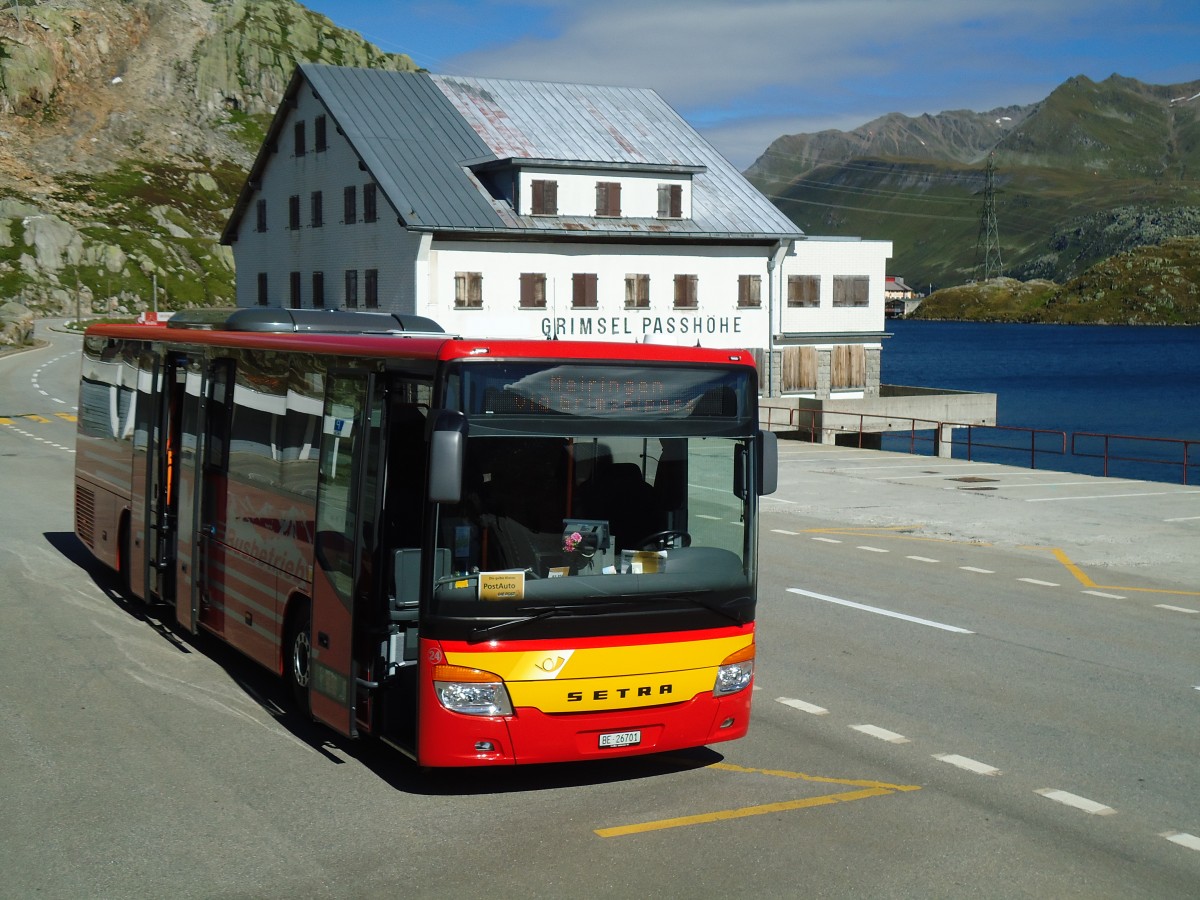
(744, 73)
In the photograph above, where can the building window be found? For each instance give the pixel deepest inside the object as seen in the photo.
(261, 210)
(608, 198)
(319, 134)
(804, 290)
(298, 137)
(351, 288)
(583, 290)
(545, 198)
(750, 290)
(850, 290)
(533, 290)
(670, 201)
(318, 293)
(685, 291)
(318, 210)
(468, 290)
(350, 205)
(294, 212)
(371, 288)
(295, 289)
(637, 291)
(369, 202)
(262, 288)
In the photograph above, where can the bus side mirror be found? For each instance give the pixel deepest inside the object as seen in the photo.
(768, 462)
(447, 450)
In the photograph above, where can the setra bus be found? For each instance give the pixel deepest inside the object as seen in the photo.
(479, 551)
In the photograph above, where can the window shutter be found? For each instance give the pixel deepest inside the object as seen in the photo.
(676, 201)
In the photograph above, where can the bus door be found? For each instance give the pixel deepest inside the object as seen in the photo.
(159, 415)
(347, 532)
(187, 480)
(210, 499)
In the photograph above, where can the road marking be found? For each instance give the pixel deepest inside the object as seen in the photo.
(963, 762)
(825, 540)
(1037, 581)
(881, 612)
(802, 706)
(873, 549)
(1183, 839)
(868, 789)
(1108, 496)
(703, 516)
(1182, 609)
(1183, 519)
(1083, 579)
(1074, 800)
(882, 733)
(980, 571)
(924, 559)
(1104, 595)
(66, 417)
(781, 531)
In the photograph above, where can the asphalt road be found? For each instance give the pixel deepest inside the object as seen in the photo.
(960, 693)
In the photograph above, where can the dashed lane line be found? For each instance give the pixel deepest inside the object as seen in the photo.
(1076, 802)
(965, 762)
(1182, 609)
(882, 733)
(954, 629)
(977, 570)
(1183, 839)
(810, 708)
(1038, 581)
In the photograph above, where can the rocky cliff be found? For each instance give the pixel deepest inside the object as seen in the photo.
(126, 128)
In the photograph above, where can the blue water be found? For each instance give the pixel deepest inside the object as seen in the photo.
(1116, 380)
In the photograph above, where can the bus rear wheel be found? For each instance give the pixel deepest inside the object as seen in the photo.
(298, 654)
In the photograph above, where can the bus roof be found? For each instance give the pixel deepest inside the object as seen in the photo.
(387, 335)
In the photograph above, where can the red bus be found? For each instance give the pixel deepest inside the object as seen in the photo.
(479, 551)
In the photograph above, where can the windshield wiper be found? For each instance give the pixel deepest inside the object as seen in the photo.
(538, 613)
(720, 607)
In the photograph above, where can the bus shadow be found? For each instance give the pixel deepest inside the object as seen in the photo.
(389, 765)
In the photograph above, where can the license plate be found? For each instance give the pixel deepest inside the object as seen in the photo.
(621, 739)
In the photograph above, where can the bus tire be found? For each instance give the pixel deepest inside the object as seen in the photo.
(297, 654)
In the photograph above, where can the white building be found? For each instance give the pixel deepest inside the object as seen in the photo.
(526, 209)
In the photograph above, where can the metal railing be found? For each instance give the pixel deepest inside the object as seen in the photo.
(925, 437)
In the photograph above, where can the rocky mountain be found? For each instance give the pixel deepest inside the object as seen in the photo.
(1092, 170)
(126, 130)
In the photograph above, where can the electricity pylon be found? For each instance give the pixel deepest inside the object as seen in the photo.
(987, 248)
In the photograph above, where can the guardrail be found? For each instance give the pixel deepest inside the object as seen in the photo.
(1177, 447)
(925, 437)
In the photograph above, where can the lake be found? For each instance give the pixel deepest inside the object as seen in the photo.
(1119, 380)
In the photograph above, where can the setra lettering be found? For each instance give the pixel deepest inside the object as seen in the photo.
(602, 694)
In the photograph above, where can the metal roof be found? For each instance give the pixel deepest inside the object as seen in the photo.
(421, 137)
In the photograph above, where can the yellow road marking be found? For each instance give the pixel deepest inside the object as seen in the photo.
(5, 420)
(866, 789)
(34, 417)
(1083, 578)
(67, 417)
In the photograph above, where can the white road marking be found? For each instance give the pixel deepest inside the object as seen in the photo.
(1104, 595)
(1182, 609)
(781, 531)
(802, 706)
(924, 559)
(1074, 800)
(882, 612)
(825, 540)
(980, 571)
(873, 549)
(1037, 581)
(1183, 519)
(882, 733)
(1183, 839)
(1108, 496)
(963, 762)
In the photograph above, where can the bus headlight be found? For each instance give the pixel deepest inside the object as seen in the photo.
(735, 673)
(471, 691)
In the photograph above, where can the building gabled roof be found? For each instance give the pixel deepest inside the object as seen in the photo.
(424, 137)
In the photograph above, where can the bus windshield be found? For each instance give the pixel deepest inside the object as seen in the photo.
(592, 486)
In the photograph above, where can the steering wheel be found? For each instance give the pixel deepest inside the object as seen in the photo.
(661, 539)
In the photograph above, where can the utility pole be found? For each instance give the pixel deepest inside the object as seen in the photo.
(987, 247)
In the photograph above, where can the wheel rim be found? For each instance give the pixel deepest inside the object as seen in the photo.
(300, 651)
